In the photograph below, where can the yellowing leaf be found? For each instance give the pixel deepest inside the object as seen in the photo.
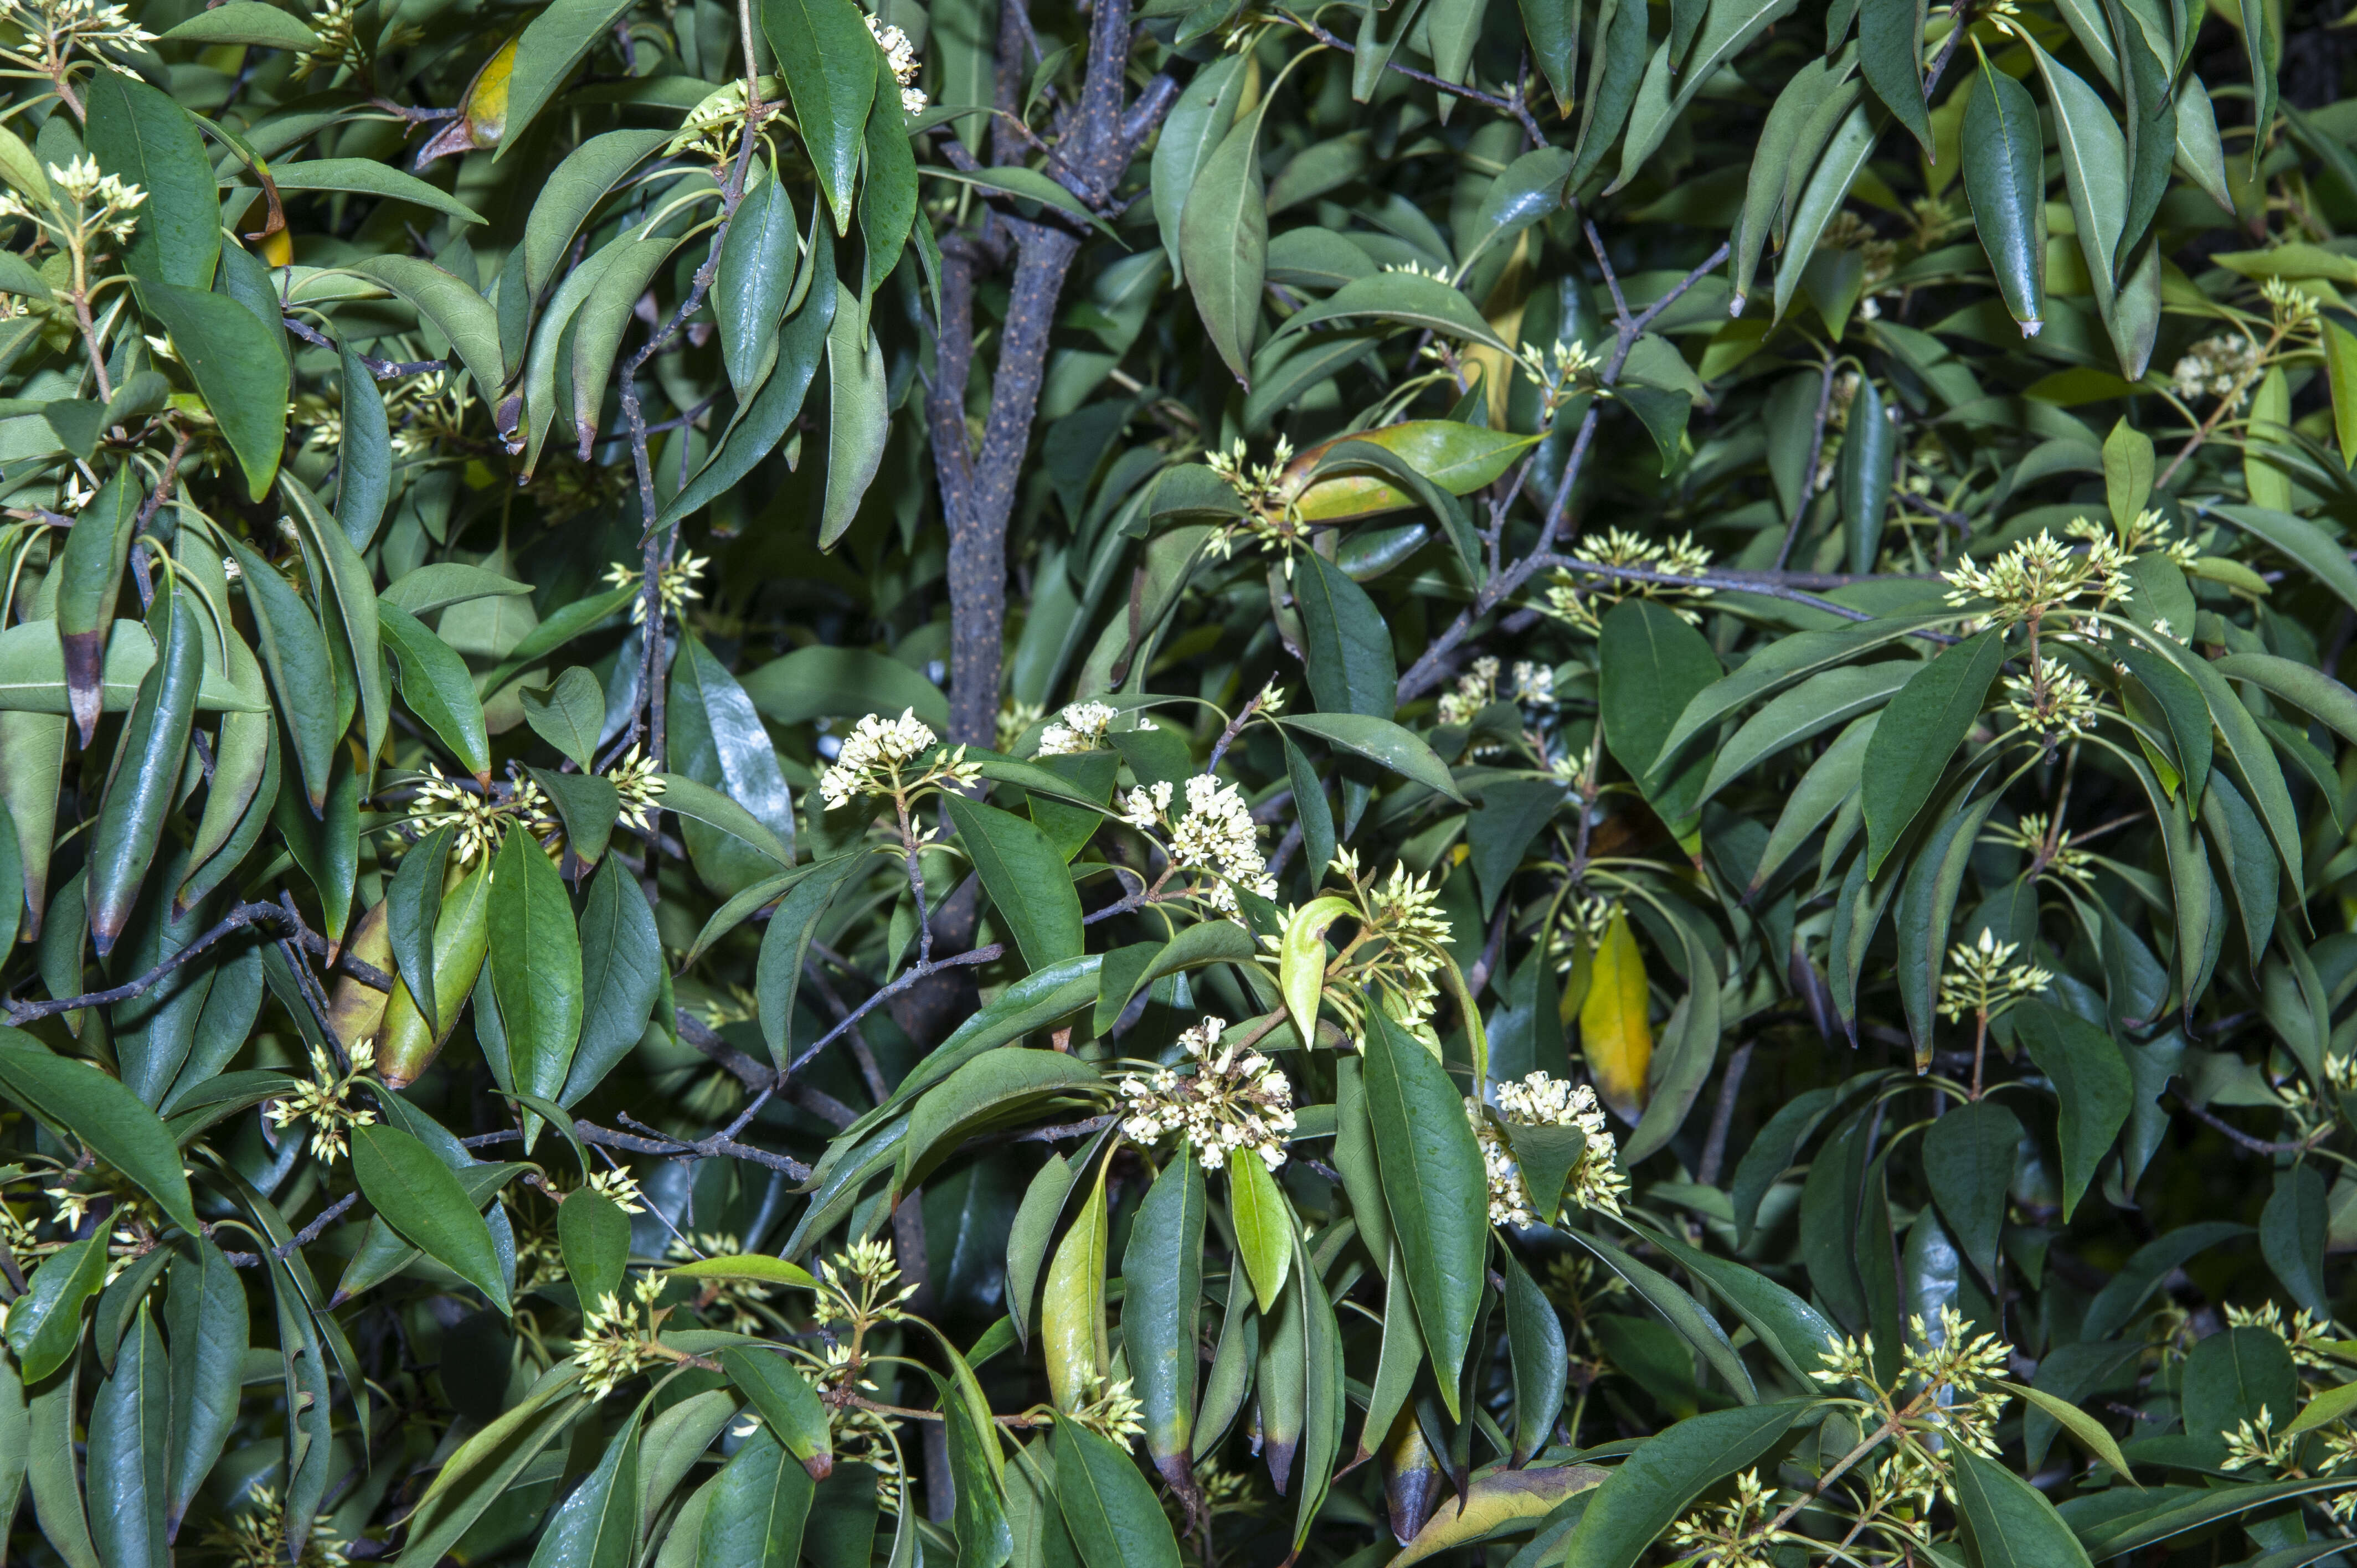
(761, 1269)
(1301, 959)
(1614, 1029)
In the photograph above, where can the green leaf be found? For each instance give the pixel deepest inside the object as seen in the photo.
(1794, 1332)
(149, 759)
(1404, 299)
(240, 369)
(2090, 1432)
(1679, 1310)
(982, 1094)
(367, 177)
(1196, 125)
(2308, 546)
(80, 1099)
(1831, 697)
(621, 977)
(568, 714)
(1110, 1511)
(141, 135)
(793, 925)
(1434, 1186)
(823, 682)
(1074, 1344)
(1651, 666)
(787, 1402)
(1026, 878)
(701, 802)
(2292, 1231)
(2011, 1523)
(859, 420)
(441, 583)
(1920, 731)
(1968, 1156)
(1536, 1350)
(437, 688)
(1264, 1228)
(463, 315)
(206, 1315)
(45, 1323)
(597, 1525)
(1379, 740)
(595, 1236)
(545, 53)
(130, 1429)
(1349, 644)
(245, 22)
(364, 461)
(1655, 1485)
(535, 966)
(1163, 1266)
(756, 270)
(419, 1197)
(828, 60)
(1891, 58)
(759, 1504)
(294, 650)
(2092, 1080)
(1222, 251)
(573, 192)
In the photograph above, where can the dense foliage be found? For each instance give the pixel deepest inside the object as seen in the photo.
(1175, 783)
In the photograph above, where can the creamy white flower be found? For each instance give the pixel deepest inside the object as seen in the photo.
(1079, 727)
(1234, 1101)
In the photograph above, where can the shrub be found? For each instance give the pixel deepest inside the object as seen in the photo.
(1175, 783)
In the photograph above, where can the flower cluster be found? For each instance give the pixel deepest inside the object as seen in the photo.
(1590, 585)
(1982, 978)
(2040, 576)
(113, 204)
(2146, 532)
(1476, 690)
(876, 757)
(338, 24)
(674, 584)
(2219, 367)
(326, 1101)
(900, 54)
(1560, 372)
(1732, 1534)
(1268, 500)
(53, 31)
(2028, 835)
(1216, 834)
(2254, 1442)
(612, 1347)
(1235, 1102)
(856, 1286)
(1112, 1411)
(621, 1188)
(1951, 1378)
(427, 411)
(1079, 727)
(478, 819)
(2305, 1333)
(637, 785)
(2052, 702)
(256, 1536)
(1596, 1181)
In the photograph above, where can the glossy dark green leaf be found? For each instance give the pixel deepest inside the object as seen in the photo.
(621, 976)
(239, 369)
(2292, 1235)
(130, 1428)
(597, 1525)
(294, 650)
(1107, 1505)
(785, 946)
(596, 1236)
(1196, 125)
(147, 775)
(1655, 1485)
(2011, 1523)
(717, 739)
(1164, 1268)
(2091, 1079)
(1652, 665)
(1968, 1155)
(1379, 740)
(1918, 733)
(756, 270)
(1869, 448)
(1434, 1188)
(567, 712)
(137, 133)
(419, 1197)
(1890, 57)
(785, 1402)
(759, 1504)
(1350, 665)
(108, 1119)
(44, 1324)
(1536, 1353)
(206, 1315)
(829, 62)
(535, 964)
(1223, 237)
(1026, 877)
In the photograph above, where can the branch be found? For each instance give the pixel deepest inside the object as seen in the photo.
(301, 1239)
(1503, 105)
(662, 1143)
(240, 916)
